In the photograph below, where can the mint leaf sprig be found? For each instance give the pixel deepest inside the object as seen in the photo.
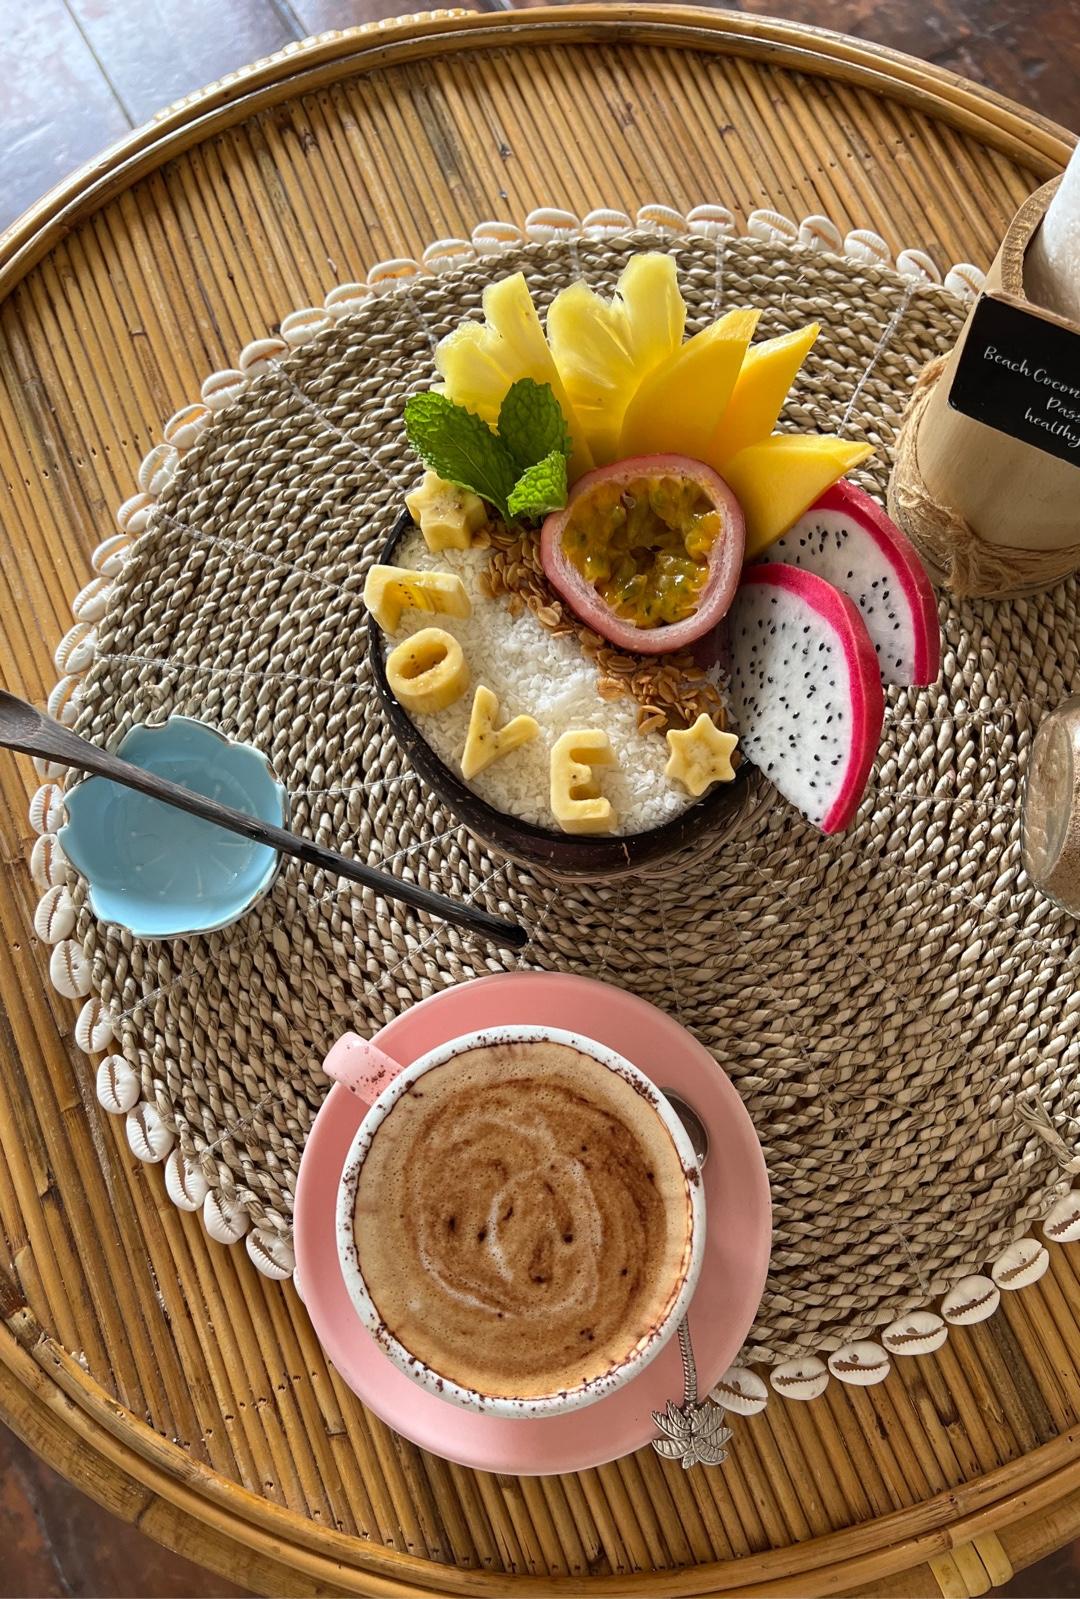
(541, 487)
(520, 469)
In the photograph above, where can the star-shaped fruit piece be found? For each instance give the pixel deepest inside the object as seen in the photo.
(446, 515)
(700, 756)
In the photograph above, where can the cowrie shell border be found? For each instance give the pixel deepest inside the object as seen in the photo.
(742, 1390)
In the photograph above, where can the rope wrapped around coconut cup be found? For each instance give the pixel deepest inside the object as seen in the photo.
(880, 998)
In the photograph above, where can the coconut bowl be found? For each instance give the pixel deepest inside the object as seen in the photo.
(703, 824)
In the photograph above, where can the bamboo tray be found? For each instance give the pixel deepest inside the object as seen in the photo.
(157, 1369)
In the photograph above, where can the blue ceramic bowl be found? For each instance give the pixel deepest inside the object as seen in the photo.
(158, 871)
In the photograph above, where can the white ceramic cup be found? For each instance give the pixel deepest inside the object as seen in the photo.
(378, 1081)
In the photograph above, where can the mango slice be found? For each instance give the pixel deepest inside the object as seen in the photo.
(389, 590)
(776, 480)
(678, 406)
(446, 515)
(604, 348)
(758, 397)
(576, 801)
(428, 672)
(484, 742)
(478, 361)
(700, 756)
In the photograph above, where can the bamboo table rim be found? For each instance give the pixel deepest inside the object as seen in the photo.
(1036, 140)
(937, 1526)
(67, 1415)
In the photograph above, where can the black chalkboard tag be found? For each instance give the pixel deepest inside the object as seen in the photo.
(1019, 373)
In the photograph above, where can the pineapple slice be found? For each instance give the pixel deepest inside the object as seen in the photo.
(479, 360)
(678, 406)
(777, 479)
(759, 394)
(604, 348)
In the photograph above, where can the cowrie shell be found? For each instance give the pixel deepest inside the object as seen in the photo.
(70, 970)
(965, 279)
(972, 1299)
(110, 555)
(47, 811)
(63, 702)
(222, 388)
(256, 356)
(298, 1285)
(225, 1219)
(387, 274)
(48, 863)
(1022, 1264)
(664, 218)
(300, 327)
(184, 426)
(447, 253)
(801, 1379)
(91, 602)
(711, 221)
(862, 245)
(156, 471)
(772, 226)
(94, 1030)
(547, 225)
(147, 1133)
(54, 918)
(1062, 1224)
(918, 266)
(75, 650)
(742, 1391)
(134, 514)
(604, 224)
(48, 771)
(118, 1085)
(270, 1253)
(920, 1332)
(185, 1184)
(820, 233)
(491, 237)
(860, 1363)
(343, 299)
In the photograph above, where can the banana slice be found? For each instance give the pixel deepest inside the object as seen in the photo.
(485, 743)
(389, 590)
(446, 515)
(576, 800)
(429, 671)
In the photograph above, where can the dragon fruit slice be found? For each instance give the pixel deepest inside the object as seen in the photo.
(806, 696)
(846, 538)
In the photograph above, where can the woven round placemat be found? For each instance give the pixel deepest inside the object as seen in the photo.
(879, 998)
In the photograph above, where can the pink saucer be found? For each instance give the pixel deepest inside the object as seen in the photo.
(738, 1234)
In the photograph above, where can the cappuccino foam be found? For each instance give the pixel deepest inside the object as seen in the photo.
(523, 1219)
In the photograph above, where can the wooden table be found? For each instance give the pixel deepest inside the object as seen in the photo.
(158, 1369)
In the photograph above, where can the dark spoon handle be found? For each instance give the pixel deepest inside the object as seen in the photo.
(25, 729)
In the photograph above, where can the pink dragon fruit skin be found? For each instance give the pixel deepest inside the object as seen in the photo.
(846, 538)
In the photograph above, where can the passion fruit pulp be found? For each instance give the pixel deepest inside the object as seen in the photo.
(647, 552)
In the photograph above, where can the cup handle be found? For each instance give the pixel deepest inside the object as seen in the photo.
(361, 1067)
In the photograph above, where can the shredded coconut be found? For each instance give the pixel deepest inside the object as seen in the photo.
(536, 673)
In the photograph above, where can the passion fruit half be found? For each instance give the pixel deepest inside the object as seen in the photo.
(647, 552)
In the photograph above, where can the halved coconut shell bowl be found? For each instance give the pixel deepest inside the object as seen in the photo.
(711, 818)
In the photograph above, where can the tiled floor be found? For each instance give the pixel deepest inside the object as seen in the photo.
(77, 74)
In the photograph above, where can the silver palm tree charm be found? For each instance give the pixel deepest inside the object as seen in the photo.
(693, 1432)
